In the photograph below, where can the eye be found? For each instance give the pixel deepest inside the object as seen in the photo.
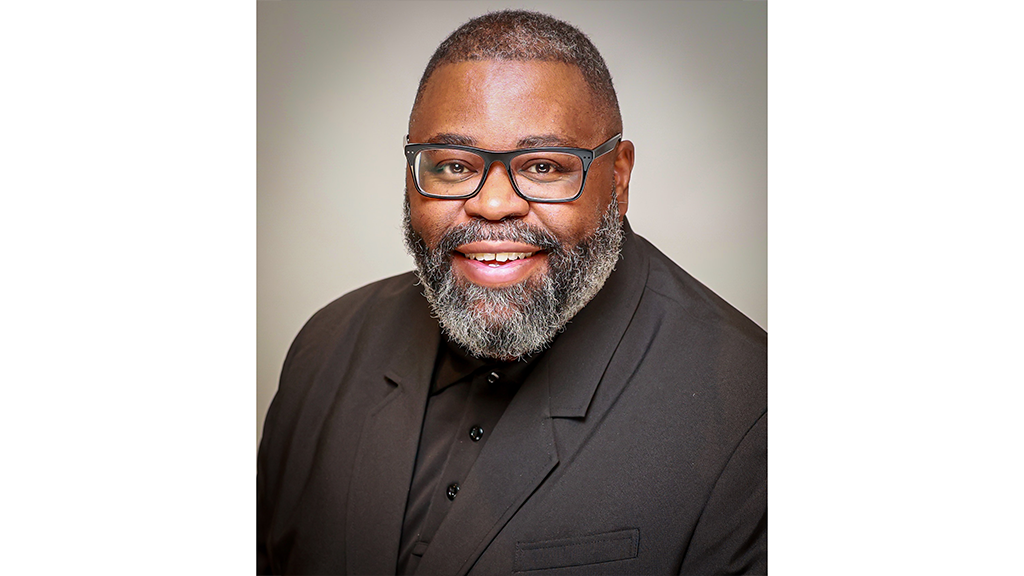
(542, 167)
(453, 168)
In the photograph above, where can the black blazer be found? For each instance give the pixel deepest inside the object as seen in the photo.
(638, 445)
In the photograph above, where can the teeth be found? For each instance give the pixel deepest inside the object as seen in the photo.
(500, 256)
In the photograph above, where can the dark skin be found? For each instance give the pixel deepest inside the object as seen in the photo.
(505, 105)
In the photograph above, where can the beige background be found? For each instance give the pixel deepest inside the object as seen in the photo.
(336, 81)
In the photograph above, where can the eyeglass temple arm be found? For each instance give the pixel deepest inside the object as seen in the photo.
(607, 146)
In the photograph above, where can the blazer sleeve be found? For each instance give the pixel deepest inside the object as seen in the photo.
(732, 534)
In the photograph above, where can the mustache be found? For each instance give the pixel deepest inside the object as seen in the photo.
(504, 231)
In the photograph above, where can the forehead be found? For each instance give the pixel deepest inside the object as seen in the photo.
(497, 104)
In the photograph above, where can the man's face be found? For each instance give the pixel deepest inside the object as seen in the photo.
(558, 248)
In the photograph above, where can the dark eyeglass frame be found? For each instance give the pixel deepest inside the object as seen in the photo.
(505, 158)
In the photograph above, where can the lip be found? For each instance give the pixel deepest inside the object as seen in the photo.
(500, 275)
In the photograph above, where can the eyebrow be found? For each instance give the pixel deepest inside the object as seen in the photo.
(451, 138)
(542, 140)
(534, 141)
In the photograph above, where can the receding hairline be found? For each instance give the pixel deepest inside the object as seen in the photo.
(522, 35)
(602, 111)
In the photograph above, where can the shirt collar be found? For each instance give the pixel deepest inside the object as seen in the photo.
(454, 365)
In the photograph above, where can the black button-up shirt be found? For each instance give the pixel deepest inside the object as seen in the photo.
(467, 398)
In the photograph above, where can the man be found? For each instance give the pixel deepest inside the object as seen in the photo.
(548, 392)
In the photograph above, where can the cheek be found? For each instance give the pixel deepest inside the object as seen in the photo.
(574, 221)
(431, 218)
(569, 225)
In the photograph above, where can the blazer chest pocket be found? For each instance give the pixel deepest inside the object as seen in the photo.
(578, 551)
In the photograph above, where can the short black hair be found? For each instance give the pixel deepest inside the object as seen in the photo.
(526, 35)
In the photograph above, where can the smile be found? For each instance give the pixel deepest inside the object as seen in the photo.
(496, 264)
(497, 259)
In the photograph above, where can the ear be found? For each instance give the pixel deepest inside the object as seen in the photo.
(623, 169)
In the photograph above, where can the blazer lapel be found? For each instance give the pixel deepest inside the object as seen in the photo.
(519, 455)
(387, 451)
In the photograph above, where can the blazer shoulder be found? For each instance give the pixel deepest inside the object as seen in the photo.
(716, 354)
(352, 305)
(698, 301)
(360, 318)
(348, 312)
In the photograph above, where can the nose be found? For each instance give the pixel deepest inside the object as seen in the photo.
(497, 199)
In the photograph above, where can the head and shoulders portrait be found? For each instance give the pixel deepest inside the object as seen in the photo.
(548, 389)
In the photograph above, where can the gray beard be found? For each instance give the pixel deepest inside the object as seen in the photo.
(518, 320)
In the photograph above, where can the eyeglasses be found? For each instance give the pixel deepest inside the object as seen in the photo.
(453, 172)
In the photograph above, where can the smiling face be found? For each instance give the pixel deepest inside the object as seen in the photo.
(504, 105)
(497, 254)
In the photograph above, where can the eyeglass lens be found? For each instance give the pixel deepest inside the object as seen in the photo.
(545, 175)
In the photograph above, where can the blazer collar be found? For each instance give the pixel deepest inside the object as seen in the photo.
(411, 360)
(579, 356)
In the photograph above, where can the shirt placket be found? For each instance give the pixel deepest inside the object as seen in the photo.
(487, 400)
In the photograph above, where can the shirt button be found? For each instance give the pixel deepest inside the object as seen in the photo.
(476, 433)
(493, 377)
(453, 490)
